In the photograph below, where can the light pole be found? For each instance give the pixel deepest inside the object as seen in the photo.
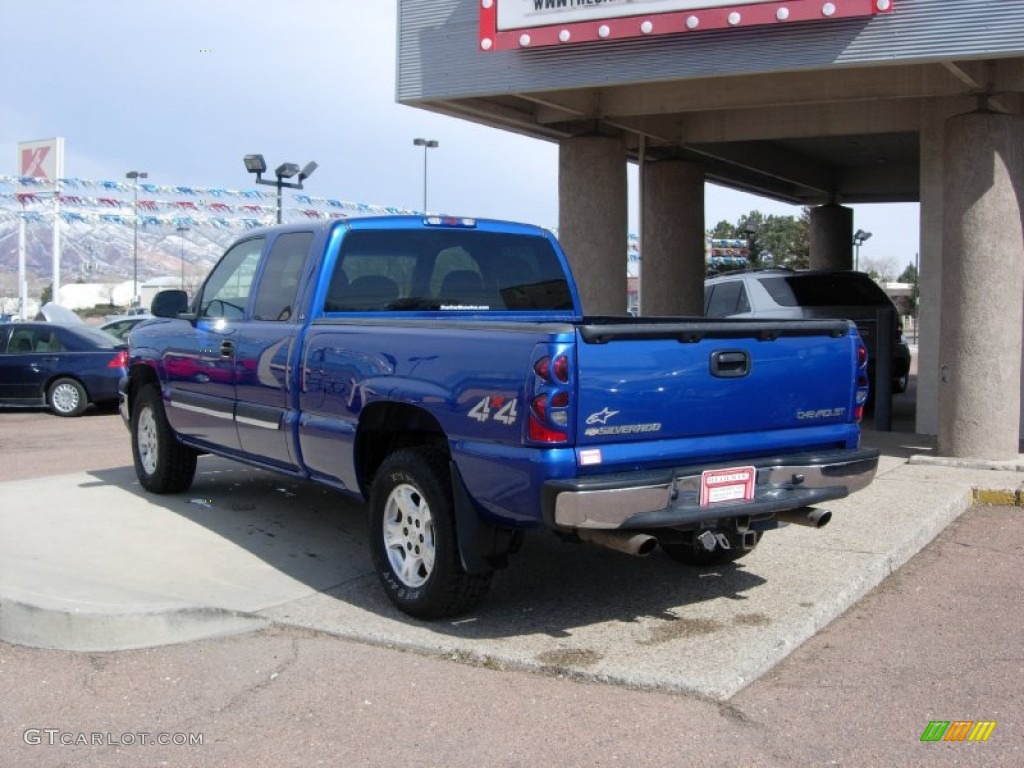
(858, 239)
(750, 229)
(426, 144)
(135, 176)
(181, 234)
(256, 164)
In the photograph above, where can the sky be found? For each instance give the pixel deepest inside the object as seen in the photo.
(182, 90)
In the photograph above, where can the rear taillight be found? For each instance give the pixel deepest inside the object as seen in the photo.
(549, 419)
(862, 356)
(863, 383)
(120, 360)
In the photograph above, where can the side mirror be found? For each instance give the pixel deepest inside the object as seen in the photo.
(169, 303)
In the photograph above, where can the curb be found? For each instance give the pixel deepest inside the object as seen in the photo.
(59, 628)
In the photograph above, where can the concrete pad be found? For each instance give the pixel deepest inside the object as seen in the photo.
(91, 562)
(597, 614)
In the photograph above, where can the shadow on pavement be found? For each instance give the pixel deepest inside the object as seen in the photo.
(318, 536)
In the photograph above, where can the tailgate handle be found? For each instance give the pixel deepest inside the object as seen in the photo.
(730, 363)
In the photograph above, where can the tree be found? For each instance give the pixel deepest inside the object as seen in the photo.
(723, 230)
(47, 295)
(777, 241)
(908, 275)
(881, 269)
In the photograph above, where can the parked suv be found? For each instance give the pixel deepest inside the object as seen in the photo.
(785, 293)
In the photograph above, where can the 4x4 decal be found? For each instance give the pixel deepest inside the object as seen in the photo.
(506, 410)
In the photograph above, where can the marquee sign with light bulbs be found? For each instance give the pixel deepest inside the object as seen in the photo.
(525, 24)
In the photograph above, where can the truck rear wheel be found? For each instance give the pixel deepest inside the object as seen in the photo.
(689, 550)
(162, 464)
(413, 538)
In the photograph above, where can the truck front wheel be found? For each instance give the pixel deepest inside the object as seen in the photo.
(413, 539)
(162, 464)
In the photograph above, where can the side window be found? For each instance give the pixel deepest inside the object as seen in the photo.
(226, 291)
(728, 298)
(25, 340)
(279, 284)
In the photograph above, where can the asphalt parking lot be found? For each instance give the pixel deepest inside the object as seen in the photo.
(865, 686)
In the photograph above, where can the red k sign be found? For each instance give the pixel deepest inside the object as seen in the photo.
(40, 165)
(32, 162)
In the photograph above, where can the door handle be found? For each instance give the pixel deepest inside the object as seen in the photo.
(227, 348)
(730, 363)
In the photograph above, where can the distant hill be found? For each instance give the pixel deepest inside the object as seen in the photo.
(103, 252)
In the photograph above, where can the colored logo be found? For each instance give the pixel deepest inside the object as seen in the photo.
(958, 730)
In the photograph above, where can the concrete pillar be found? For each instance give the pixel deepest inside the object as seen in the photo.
(593, 219)
(982, 287)
(929, 315)
(672, 241)
(831, 237)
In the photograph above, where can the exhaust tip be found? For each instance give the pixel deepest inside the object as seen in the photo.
(638, 544)
(812, 517)
(647, 546)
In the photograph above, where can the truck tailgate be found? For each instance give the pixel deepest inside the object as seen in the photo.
(667, 379)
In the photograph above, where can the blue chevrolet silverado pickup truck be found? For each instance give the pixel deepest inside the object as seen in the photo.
(441, 369)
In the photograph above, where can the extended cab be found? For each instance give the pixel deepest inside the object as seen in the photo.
(442, 370)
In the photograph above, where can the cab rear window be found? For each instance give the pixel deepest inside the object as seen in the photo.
(453, 269)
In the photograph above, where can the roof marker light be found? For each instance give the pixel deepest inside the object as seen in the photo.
(449, 221)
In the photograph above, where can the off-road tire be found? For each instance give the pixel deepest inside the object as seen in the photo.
(413, 537)
(162, 464)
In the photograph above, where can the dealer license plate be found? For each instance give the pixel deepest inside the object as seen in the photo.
(732, 484)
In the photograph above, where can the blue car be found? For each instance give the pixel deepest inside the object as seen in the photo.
(60, 366)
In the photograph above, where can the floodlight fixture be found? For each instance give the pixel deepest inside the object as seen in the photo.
(858, 239)
(255, 164)
(307, 170)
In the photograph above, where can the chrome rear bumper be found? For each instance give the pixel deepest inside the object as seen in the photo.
(671, 499)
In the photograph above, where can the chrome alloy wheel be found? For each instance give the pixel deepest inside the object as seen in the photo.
(146, 440)
(66, 397)
(409, 535)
